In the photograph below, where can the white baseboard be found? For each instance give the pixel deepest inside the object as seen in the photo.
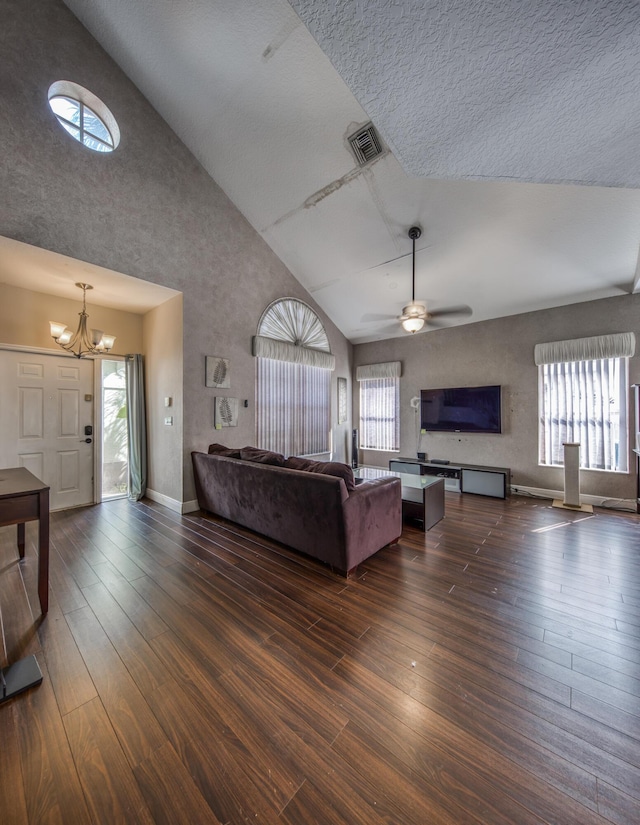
(597, 501)
(171, 503)
(190, 506)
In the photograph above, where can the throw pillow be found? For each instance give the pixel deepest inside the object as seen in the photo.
(327, 468)
(262, 456)
(220, 449)
(295, 463)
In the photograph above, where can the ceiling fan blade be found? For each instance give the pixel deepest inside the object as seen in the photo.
(398, 258)
(446, 312)
(369, 317)
(385, 263)
(436, 323)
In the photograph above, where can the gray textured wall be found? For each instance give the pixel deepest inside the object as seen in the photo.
(501, 352)
(163, 335)
(148, 210)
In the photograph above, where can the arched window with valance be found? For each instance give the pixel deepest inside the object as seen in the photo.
(293, 380)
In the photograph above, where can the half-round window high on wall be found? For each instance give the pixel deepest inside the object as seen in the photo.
(84, 116)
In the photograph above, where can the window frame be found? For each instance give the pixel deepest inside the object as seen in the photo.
(587, 427)
(85, 101)
(390, 441)
(293, 408)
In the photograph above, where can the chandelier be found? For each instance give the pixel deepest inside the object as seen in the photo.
(83, 341)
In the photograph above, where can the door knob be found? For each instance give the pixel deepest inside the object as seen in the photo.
(86, 440)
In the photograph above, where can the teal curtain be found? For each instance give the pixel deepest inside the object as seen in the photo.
(137, 426)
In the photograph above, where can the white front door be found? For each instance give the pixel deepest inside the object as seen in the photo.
(46, 401)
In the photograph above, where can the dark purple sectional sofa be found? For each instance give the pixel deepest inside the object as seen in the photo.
(323, 515)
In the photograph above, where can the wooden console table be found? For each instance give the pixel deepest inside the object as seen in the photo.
(23, 497)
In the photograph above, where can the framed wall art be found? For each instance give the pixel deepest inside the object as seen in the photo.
(342, 400)
(225, 412)
(217, 372)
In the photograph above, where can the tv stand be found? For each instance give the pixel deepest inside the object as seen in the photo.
(462, 478)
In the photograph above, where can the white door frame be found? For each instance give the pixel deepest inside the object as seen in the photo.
(97, 395)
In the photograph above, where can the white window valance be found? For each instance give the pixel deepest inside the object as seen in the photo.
(293, 353)
(289, 330)
(390, 369)
(617, 345)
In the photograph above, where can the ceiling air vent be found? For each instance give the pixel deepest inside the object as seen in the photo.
(365, 144)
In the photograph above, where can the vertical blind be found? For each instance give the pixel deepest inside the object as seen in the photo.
(585, 402)
(379, 418)
(293, 380)
(583, 399)
(293, 407)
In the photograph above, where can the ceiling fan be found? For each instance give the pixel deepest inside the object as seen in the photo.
(415, 314)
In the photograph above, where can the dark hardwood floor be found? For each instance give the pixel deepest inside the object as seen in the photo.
(487, 671)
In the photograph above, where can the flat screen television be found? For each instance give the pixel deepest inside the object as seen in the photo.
(461, 410)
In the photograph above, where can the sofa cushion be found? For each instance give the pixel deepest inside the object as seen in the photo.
(295, 463)
(327, 468)
(261, 456)
(220, 449)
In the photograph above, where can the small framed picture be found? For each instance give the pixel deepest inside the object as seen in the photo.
(217, 372)
(225, 412)
(342, 400)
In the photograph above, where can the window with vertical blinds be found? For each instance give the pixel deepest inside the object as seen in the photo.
(379, 406)
(293, 380)
(585, 402)
(293, 407)
(583, 399)
(379, 418)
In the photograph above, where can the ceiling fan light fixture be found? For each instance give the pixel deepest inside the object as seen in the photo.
(413, 316)
(412, 324)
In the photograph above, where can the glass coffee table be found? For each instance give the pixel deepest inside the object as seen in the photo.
(422, 496)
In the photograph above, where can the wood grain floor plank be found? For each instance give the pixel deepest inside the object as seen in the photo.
(146, 621)
(448, 791)
(13, 802)
(20, 634)
(70, 678)
(411, 731)
(486, 672)
(111, 792)
(129, 714)
(220, 768)
(46, 768)
(625, 698)
(171, 794)
(138, 657)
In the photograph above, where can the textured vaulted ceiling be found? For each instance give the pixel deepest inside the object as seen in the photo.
(490, 111)
(544, 91)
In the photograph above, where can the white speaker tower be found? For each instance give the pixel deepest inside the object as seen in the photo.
(571, 499)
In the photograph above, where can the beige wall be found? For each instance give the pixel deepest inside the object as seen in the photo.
(501, 352)
(148, 210)
(25, 316)
(162, 335)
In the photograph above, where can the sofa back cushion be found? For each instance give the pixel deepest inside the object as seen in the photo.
(220, 449)
(261, 456)
(328, 468)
